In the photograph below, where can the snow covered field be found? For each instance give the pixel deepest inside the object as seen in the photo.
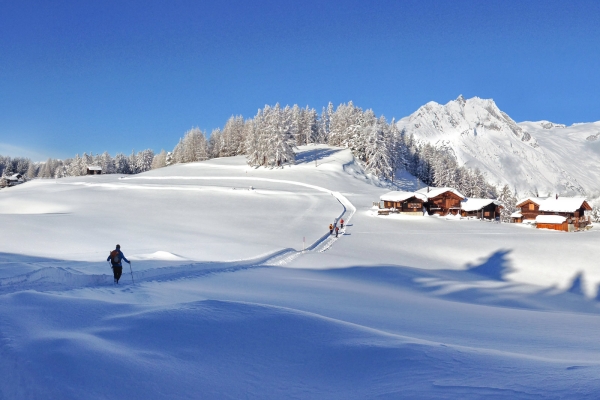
(226, 304)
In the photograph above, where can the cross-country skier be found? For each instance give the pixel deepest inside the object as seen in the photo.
(341, 223)
(336, 231)
(330, 229)
(115, 258)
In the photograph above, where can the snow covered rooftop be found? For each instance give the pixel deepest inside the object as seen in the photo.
(516, 215)
(562, 204)
(433, 192)
(536, 200)
(401, 196)
(550, 219)
(14, 177)
(477, 204)
(94, 168)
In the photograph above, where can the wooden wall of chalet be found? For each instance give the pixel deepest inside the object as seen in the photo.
(557, 227)
(409, 205)
(530, 210)
(577, 218)
(491, 211)
(443, 203)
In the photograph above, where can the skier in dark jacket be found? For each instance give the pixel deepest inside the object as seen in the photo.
(115, 257)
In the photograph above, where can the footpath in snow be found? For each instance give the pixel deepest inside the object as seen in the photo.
(394, 308)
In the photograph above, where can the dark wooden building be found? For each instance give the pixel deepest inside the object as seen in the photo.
(442, 201)
(410, 203)
(564, 214)
(94, 170)
(529, 209)
(481, 208)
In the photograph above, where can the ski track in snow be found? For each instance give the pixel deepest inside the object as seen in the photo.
(52, 278)
(365, 319)
(322, 244)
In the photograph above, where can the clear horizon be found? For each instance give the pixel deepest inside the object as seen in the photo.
(114, 77)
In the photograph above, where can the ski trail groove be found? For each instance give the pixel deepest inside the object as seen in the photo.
(322, 244)
(54, 279)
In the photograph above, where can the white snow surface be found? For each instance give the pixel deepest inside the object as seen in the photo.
(550, 219)
(227, 305)
(396, 195)
(473, 204)
(431, 192)
(562, 204)
(536, 200)
(530, 157)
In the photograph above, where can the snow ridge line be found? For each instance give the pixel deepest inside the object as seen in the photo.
(52, 278)
(322, 244)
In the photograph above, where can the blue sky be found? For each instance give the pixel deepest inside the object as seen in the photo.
(114, 76)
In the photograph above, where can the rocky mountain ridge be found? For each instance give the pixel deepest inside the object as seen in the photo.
(531, 157)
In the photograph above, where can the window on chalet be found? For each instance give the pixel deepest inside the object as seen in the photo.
(531, 206)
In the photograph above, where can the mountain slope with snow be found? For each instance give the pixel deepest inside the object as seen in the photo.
(230, 302)
(529, 157)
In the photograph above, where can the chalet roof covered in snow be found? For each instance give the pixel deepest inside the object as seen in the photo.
(562, 204)
(477, 204)
(536, 200)
(516, 214)
(14, 177)
(94, 168)
(433, 192)
(401, 196)
(550, 219)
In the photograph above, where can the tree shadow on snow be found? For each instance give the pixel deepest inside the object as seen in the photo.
(485, 283)
(495, 267)
(314, 154)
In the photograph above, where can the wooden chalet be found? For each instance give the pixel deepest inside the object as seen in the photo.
(481, 208)
(409, 203)
(13, 180)
(94, 170)
(529, 209)
(442, 201)
(564, 214)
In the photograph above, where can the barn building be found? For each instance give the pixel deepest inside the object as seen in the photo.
(481, 208)
(14, 180)
(94, 170)
(563, 214)
(442, 201)
(529, 209)
(409, 203)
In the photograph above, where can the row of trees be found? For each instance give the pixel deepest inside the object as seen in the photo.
(269, 138)
(77, 166)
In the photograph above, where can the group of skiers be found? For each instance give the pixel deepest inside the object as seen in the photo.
(334, 226)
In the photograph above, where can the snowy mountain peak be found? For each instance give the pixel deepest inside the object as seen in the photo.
(550, 125)
(482, 136)
(473, 117)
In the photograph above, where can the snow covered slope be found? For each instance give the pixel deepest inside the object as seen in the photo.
(575, 149)
(227, 305)
(532, 157)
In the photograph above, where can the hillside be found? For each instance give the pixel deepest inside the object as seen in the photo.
(229, 301)
(530, 157)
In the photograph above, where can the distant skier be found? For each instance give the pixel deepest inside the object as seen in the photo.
(115, 257)
(330, 229)
(336, 231)
(341, 223)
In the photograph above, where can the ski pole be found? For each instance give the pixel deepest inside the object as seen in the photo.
(131, 273)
